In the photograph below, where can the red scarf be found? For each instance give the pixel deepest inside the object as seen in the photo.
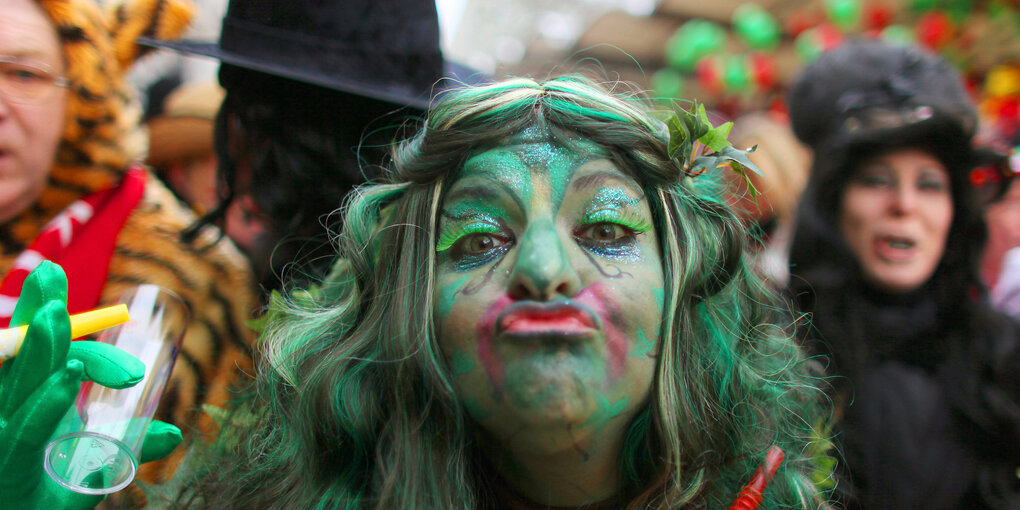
(80, 239)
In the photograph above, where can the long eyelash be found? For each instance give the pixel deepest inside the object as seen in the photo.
(449, 236)
(627, 218)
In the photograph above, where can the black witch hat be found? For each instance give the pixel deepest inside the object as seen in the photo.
(381, 49)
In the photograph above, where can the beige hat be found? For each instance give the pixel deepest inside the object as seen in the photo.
(184, 130)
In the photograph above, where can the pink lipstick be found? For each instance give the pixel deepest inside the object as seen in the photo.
(531, 318)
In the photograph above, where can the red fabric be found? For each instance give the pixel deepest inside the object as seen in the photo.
(80, 239)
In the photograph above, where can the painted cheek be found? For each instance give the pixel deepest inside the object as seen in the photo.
(448, 297)
(596, 297)
(643, 347)
(491, 362)
(606, 411)
(461, 363)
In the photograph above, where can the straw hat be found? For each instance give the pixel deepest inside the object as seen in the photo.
(184, 130)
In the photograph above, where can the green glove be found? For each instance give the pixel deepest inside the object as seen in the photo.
(40, 385)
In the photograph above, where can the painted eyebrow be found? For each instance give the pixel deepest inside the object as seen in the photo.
(596, 179)
(485, 193)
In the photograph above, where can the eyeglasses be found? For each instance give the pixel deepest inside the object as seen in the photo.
(25, 83)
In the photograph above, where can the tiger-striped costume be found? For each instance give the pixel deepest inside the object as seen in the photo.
(101, 140)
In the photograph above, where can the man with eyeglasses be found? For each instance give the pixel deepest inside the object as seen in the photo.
(32, 106)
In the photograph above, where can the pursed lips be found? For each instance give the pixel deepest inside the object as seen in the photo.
(528, 318)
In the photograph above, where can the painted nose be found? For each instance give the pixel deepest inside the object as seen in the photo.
(543, 270)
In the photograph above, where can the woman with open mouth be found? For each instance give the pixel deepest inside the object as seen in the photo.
(886, 258)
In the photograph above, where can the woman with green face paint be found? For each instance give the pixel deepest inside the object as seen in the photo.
(540, 308)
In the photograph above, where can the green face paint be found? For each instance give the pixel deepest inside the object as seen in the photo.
(643, 347)
(448, 295)
(461, 364)
(606, 412)
(547, 261)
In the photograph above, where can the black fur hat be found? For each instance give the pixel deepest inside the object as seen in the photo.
(860, 99)
(868, 90)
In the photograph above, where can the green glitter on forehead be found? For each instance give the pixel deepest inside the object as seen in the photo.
(557, 161)
(472, 209)
(502, 166)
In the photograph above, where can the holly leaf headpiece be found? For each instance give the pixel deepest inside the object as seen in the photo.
(699, 146)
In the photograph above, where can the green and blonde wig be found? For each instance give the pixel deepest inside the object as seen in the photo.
(356, 407)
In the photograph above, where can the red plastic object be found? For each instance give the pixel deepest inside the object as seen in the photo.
(751, 495)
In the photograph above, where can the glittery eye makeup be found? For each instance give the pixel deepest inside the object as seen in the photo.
(471, 239)
(610, 224)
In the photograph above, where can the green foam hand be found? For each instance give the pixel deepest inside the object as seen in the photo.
(39, 386)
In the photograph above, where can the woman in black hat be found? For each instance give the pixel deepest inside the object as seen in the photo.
(885, 257)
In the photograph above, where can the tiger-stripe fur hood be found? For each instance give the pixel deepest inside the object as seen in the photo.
(101, 134)
(101, 140)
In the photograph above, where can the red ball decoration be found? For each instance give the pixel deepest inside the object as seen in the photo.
(763, 71)
(877, 16)
(708, 72)
(1009, 108)
(934, 29)
(828, 36)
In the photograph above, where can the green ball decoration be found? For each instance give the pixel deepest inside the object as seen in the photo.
(667, 84)
(899, 34)
(808, 46)
(845, 14)
(756, 27)
(694, 40)
(736, 74)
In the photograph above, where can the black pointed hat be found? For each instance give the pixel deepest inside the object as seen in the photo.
(382, 49)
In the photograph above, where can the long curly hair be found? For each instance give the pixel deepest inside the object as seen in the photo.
(355, 406)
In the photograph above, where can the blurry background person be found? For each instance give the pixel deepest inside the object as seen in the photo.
(181, 143)
(886, 257)
(315, 94)
(1001, 263)
(71, 191)
(771, 213)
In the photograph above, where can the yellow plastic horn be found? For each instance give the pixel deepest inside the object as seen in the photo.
(82, 324)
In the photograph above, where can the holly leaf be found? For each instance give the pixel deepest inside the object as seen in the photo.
(701, 164)
(698, 120)
(741, 157)
(688, 128)
(685, 127)
(715, 138)
(679, 146)
(739, 161)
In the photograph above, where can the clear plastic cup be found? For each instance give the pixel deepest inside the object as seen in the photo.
(97, 445)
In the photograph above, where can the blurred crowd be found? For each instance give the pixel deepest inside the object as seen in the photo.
(882, 212)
